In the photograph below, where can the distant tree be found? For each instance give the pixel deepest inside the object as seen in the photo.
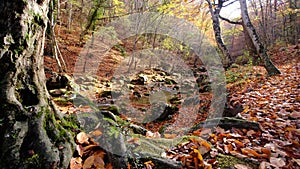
(33, 134)
(270, 67)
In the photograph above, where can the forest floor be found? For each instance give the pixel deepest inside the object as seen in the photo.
(271, 101)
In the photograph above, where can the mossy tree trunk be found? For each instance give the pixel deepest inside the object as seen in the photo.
(270, 67)
(32, 133)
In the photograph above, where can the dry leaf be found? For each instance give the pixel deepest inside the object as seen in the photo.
(80, 150)
(297, 161)
(82, 138)
(134, 140)
(96, 133)
(88, 163)
(241, 166)
(149, 134)
(76, 163)
(169, 136)
(149, 164)
(250, 152)
(98, 162)
(295, 115)
(109, 166)
(279, 162)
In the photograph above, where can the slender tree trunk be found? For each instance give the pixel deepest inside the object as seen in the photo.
(250, 46)
(32, 133)
(227, 61)
(270, 67)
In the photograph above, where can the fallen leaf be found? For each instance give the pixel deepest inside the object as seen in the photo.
(149, 164)
(241, 166)
(169, 136)
(76, 163)
(149, 134)
(88, 163)
(237, 154)
(96, 133)
(98, 162)
(250, 152)
(265, 165)
(109, 166)
(82, 138)
(80, 150)
(279, 162)
(134, 140)
(295, 115)
(297, 161)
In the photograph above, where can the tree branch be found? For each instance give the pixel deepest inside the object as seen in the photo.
(229, 3)
(230, 21)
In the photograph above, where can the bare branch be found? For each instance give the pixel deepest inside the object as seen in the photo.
(229, 3)
(230, 21)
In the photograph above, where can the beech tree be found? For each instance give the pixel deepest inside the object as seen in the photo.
(33, 134)
(270, 67)
(215, 10)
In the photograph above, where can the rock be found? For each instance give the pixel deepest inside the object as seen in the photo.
(227, 123)
(170, 81)
(109, 107)
(232, 107)
(202, 69)
(202, 79)
(234, 66)
(109, 115)
(169, 110)
(57, 81)
(57, 92)
(105, 93)
(138, 81)
(137, 94)
(130, 86)
(203, 89)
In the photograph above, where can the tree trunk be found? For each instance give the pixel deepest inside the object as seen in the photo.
(32, 134)
(270, 67)
(215, 12)
(250, 46)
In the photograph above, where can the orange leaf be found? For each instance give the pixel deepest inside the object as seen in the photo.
(134, 140)
(128, 166)
(98, 162)
(109, 166)
(250, 152)
(266, 151)
(76, 163)
(96, 133)
(205, 144)
(227, 148)
(170, 136)
(239, 144)
(88, 163)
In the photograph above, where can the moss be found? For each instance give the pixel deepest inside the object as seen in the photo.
(70, 122)
(33, 162)
(121, 49)
(62, 101)
(225, 161)
(19, 49)
(58, 129)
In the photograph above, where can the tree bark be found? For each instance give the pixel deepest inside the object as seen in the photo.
(215, 12)
(33, 134)
(250, 46)
(270, 67)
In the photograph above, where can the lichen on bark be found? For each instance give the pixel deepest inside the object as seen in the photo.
(33, 133)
